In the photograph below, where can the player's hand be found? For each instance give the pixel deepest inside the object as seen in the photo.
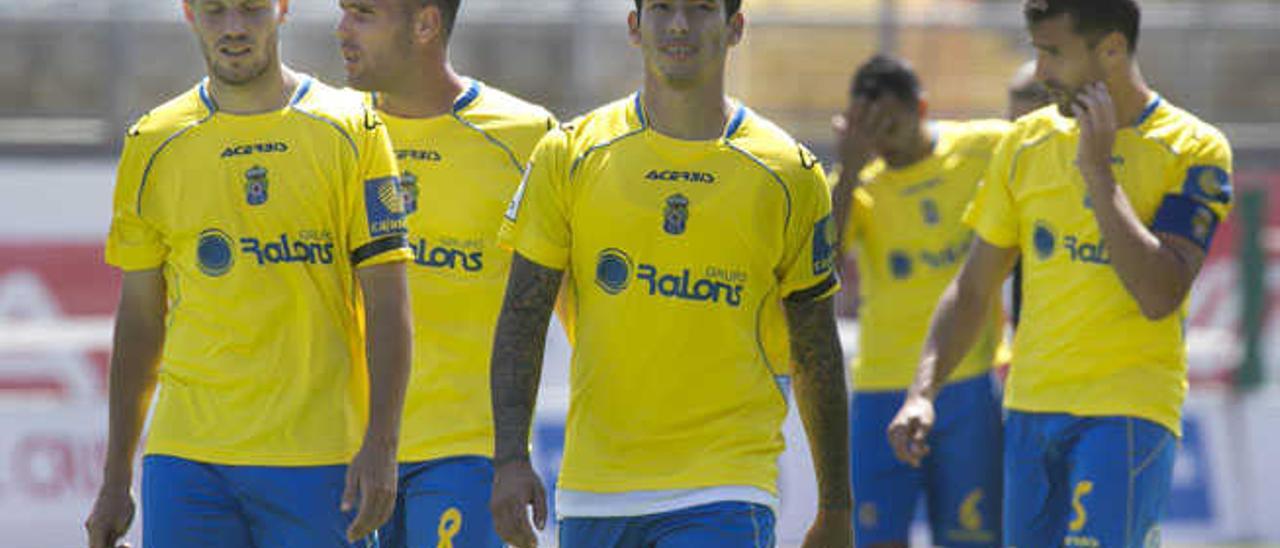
(856, 136)
(909, 431)
(371, 483)
(831, 529)
(1096, 114)
(110, 519)
(516, 487)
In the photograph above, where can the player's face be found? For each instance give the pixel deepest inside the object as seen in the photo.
(902, 121)
(374, 36)
(239, 38)
(1065, 61)
(685, 41)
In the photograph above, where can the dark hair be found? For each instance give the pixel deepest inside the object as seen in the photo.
(1091, 18)
(886, 75)
(731, 7)
(448, 10)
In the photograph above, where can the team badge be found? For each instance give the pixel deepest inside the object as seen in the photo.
(676, 215)
(1044, 240)
(824, 238)
(409, 191)
(255, 185)
(1208, 184)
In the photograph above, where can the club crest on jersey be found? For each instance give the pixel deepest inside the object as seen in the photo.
(409, 191)
(213, 253)
(1208, 183)
(255, 185)
(676, 215)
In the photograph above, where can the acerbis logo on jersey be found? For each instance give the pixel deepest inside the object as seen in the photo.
(255, 185)
(680, 176)
(254, 148)
(419, 155)
(384, 207)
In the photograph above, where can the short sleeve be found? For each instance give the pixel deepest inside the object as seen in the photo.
(133, 242)
(991, 214)
(1200, 193)
(536, 224)
(807, 271)
(376, 231)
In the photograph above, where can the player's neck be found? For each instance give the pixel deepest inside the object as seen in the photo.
(695, 114)
(269, 92)
(1130, 95)
(920, 149)
(427, 92)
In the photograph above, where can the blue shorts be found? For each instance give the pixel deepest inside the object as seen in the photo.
(443, 502)
(960, 479)
(721, 524)
(1085, 481)
(189, 503)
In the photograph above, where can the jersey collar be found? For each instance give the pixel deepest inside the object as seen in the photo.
(735, 121)
(303, 87)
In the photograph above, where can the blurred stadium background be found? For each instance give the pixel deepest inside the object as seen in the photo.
(74, 73)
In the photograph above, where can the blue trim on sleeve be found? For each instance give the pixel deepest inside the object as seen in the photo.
(773, 174)
(354, 150)
(467, 97)
(515, 162)
(1187, 217)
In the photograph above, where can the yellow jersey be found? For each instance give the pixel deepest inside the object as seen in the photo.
(1083, 346)
(458, 172)
(259, 223)
(906, 232)
(680, 253)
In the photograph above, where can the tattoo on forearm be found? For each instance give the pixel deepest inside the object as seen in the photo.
(821, 396)
(516, 363)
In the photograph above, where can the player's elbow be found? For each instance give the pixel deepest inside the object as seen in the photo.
(1158, 307)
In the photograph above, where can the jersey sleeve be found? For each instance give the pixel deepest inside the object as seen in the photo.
(807, 272)
(376, 231)
(1200, 194)
(991, 214)
(536, 224)
(133, 242)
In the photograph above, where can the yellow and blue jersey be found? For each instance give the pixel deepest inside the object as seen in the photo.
(1083, 346)
(680, 253)
(259, 223)
(458, 172)
(906, 231)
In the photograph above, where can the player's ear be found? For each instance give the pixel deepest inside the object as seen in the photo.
(428, 24)
(922, 108)
(187, 12)
(284, 10)
(1114, 49)
(633, 27)
(737, 27)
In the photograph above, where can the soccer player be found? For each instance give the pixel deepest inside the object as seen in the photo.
(257, 220)
(462, 147)
(1111, 197)
(905, 181)
(688, 223)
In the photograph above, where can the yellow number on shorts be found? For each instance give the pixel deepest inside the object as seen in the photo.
(1083, 488)
(450, 525)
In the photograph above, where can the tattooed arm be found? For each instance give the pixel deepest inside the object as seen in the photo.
(823, 401)
(515, 369)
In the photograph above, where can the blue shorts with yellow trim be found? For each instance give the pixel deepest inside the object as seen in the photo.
(960, 479)
(443, 503)
(190, 503)
(721, 524)
(1085, 481)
